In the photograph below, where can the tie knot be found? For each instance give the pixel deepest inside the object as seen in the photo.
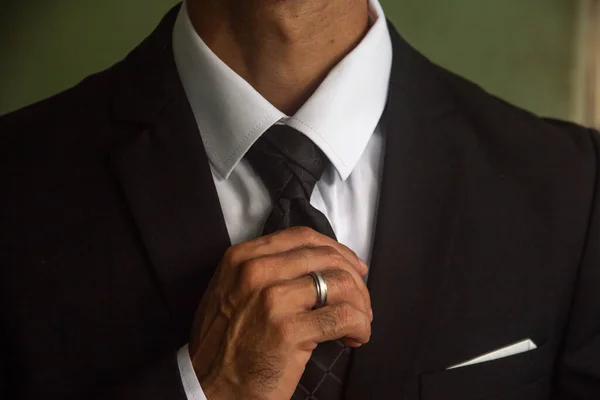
(288, 162)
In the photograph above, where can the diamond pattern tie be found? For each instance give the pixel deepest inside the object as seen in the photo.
(290, 165)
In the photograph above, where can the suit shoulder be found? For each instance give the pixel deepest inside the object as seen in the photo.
(65, 124)
(505, 125)
(86, 97)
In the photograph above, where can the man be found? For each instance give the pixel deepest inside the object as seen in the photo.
(199, 221)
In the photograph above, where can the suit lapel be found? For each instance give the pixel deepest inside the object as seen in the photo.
(420, 201)
(164, 173)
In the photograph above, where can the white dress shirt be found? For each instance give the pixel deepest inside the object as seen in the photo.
(341, 117)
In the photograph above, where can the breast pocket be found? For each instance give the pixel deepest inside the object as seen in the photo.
(491, 380)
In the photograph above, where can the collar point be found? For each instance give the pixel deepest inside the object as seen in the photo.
(344, 173)
(221, 171)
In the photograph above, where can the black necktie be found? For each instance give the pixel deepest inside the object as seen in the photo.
(290, 165)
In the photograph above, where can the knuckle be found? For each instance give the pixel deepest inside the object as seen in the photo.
(355, 258)
(228, 256)
(336, 259)
(250, 267)
(270, 297)
(365, 328)
(346, 280)
(305, 233)
(345, 315)
(265, 240)
(342, 280)
(250, 274)
(231, 256)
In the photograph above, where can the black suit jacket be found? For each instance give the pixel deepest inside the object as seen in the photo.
(488, 233)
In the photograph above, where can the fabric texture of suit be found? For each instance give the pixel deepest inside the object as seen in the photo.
(110, 230)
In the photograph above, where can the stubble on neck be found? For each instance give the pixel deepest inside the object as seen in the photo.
(283, 48)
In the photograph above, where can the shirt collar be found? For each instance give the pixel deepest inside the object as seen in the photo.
(339, 117)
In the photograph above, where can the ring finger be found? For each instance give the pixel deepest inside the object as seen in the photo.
(300, 294)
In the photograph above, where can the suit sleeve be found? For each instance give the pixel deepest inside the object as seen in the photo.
(156, 381)
(578, 365)
(172, 377)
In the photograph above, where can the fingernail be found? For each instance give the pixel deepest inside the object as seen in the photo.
(371, 313)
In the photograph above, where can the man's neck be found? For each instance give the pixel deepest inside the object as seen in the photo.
(283, 48)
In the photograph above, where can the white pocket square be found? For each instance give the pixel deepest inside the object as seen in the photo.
(510, 350)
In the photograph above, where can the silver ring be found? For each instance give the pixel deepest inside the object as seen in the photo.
(321, 287)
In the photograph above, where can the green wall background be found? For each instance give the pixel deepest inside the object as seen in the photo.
(520, 50)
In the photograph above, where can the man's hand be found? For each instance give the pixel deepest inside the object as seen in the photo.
(255, 328)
